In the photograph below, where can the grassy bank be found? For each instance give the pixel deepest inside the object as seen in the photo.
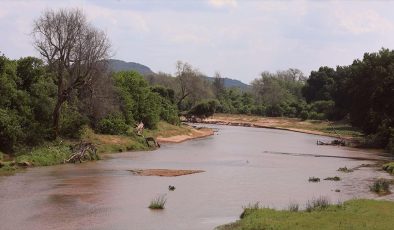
(294, 124)
(354, 214)
(53, 153)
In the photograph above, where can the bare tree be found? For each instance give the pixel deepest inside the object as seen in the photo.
(186, 77)
(73, 50)
(218, 84)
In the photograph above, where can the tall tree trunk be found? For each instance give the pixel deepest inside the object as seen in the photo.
(56, 118)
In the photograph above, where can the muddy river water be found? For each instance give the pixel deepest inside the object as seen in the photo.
(242, 166)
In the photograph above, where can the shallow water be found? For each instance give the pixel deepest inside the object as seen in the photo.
(242, 166)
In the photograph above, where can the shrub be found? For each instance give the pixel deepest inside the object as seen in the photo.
(389, 167)
(113, 124)
(304, 115)
(158, 202)
(380, 186)
(204, 109)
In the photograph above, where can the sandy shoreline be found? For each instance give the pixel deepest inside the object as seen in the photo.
(195, 133)
(264, 122)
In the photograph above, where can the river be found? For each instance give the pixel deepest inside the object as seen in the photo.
(242, 166)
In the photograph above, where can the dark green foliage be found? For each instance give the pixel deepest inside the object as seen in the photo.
(71, 121)
(319, 85)
(204, 109)
(113, 124)
(304, 115)
(139, 103)
(26, 99)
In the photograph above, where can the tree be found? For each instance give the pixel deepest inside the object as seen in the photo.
(191, 85)
(218, 84)
(73, 50)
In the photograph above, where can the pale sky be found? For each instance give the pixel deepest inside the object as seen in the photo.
(240, 39)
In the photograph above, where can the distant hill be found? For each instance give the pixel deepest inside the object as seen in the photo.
(232, 83)
(118, 65)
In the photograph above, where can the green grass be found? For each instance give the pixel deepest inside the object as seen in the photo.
(51, 154)
(389, 167)
(354, 214)
(158, 202)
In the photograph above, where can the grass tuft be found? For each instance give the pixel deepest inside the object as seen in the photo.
(293, 207)
(335, 178)
(317, 204)
(345, 170)
(314, 179)
(158, 202)
(380, 186)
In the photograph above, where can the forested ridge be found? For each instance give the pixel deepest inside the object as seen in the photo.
(59, 94)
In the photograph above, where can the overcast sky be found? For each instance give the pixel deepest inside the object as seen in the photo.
(240, 39)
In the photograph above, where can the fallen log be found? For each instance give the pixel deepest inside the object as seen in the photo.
(82, 151)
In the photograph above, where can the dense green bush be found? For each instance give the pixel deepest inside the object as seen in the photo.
(71, 121)
(26, 101)
(204, 109)
(304, 115)
(139, 103)
(113, 124)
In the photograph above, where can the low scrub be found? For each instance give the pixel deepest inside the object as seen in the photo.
(158, 202)
(380, 186)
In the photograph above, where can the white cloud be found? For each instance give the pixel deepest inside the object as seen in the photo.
(361, 22)
(223, 3)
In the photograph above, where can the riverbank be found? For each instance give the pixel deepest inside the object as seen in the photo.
(316, 127)
(56, 152)
(353, 214)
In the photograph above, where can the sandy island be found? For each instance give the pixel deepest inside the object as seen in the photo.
(163, 172)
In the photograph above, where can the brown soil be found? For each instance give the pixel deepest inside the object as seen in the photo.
(163, 172)
(195, 133)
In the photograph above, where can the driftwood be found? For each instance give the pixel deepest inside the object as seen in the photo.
(334, 142)
(82, 151)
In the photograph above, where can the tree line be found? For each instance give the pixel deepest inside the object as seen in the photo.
(70, 87)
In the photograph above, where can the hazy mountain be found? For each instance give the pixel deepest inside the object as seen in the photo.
(118, 65)
(232, 83)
